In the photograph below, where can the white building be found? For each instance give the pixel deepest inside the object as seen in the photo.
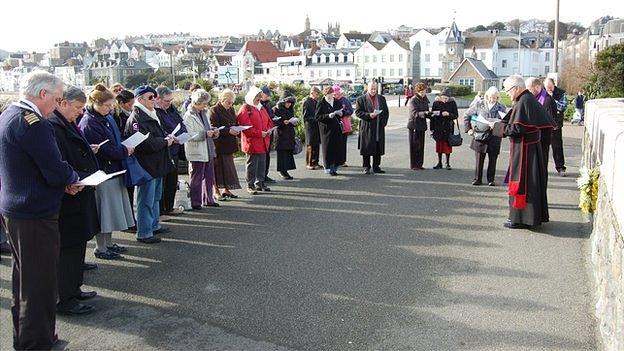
(431, 45)
(392, 61)
(71, 75)
(337, 64)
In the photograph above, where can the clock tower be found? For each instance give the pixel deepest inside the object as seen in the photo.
(453, 51)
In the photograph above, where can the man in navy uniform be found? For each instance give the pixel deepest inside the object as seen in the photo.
(33, 181)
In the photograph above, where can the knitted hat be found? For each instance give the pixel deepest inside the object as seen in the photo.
(446, 92)
(144, 89)
(266, 90)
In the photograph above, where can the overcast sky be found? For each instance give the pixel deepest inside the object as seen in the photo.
(79, 21)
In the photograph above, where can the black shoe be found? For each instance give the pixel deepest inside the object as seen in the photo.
(230, 195)
(269, 179)
(107, 255)
(492, 184)
(77, 310)
(448, 166)
(117, 248)
(222, 197)
(367, 170)
(162, 230)
(476, 182)
(265, 188)
(378, 170)
(196, 208)
(172, 212)
(132, 229)
(333, 173)
(510, 225)
(89, 266)
(214, 204)
(438, 166)
(85, 295)
(151, 240)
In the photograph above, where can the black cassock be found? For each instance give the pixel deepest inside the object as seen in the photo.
(331, 133)
(528, 203)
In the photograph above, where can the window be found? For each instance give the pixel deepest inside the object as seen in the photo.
(515, 57)
(400, 72)
(439, 71)
(326, 59)
(391, 72)
(440, 57)
(547, 57)
(428, 43)
(383, 58)
(504, 64)
(338, 73)
(336, 58)
(359, 72)
(311, 73)
(374, 72)
(348, 73)
(451, 66)
(482, 56)
(383, 72)
(374, 58)
(535, 57)
(400, 57)
(329, 73)
(345, 58)
(427, 58)
(467, 81)
(366, 59)
(546, 70)
(366, 72)
(391, 58)
(427, 72)
(318, 59)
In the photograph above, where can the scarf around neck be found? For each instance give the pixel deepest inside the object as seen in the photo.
(147, 111)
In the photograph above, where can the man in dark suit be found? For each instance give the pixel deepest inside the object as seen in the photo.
(372, 109)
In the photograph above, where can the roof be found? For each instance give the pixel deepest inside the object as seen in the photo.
(478, 66)
(402, 44)
(223, 59)
(454, 35)
(488, 33)
(376, 45)
(263, 51)
(357, 36)
(479, 42)
(232, 47)
(508, 43)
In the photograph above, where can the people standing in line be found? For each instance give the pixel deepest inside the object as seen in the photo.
(347, 111)
(153, 156)
(483, 142)
(559, 95)
(222, 115)
(200, 151)
(409, 93)
(265, 100)
(255, 141)
(34, 179)
(170, 118)
(123, 110)
(372, 110)
(187, 101)
(78, 217)
(312, 133)
(579, 106)
(443, 113)
(535, 87)
(114, 209)
(328, 113)
(528, 205)
(417, 125)
(285, 134)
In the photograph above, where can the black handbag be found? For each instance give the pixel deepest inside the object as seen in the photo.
(455, 139)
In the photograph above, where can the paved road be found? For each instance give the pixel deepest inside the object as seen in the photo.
(401, 261)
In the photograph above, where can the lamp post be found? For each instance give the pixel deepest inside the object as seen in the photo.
(556, 58)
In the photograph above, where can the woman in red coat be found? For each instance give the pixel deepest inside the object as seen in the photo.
(255, 140)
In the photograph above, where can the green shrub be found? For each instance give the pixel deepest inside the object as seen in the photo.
(456, 90)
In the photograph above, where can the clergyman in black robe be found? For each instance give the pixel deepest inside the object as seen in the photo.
(328, 113)
(528, 204)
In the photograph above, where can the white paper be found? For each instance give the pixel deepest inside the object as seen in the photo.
(104, 142)
(481, 119)
(98, 178)
(377, 112)
(435, 113)
(272, 130)
(293, 120)
(277, 118)
(184, 137)
(239, 128)
(135, 139)
(176, 129)
(502, 114)
(221, 128)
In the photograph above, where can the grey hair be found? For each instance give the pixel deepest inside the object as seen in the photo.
(492, 91)
(34, 82)
(200, 96)
(533, 82)
(514, 81)
(73, 93)
(163, 91)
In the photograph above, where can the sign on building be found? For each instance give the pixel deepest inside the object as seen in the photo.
(227, 75)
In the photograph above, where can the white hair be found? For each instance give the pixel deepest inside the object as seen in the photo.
(34, 82)
(514, 81)
(533, 82)
(492, 91)
(200, 96)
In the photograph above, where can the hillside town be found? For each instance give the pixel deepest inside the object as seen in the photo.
(478, 57)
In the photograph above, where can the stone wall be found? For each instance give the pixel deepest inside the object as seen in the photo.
(603, 146)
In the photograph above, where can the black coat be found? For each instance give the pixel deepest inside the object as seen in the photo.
(226, 143)
(330, 132)
(313, 136)
(416, 120)
(120, 117)
(78, 218)
(443, 126)
(152, 154)
(371, 130)
(285, 136)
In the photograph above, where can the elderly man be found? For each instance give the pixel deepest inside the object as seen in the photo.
(169, 118)
(559, 95)
(536, 88)
(372, 109)
(34, 178)
(528, 205)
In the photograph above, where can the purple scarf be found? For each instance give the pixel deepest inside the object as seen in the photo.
(542, 96)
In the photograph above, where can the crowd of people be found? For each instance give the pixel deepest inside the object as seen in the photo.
(56, 135)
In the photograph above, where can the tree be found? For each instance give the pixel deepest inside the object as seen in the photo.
(563, 29)
(607, 79)
(136, 80)
(514, 25)
(497, 26)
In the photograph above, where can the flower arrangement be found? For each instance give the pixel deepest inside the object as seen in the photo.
(588, 185)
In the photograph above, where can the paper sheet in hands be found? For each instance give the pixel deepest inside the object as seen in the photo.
(98, 178)
(239, 128)
(135, 139)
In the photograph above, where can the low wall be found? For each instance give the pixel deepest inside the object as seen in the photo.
(603, 145)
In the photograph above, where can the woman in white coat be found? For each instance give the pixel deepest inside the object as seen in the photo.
(200, 150)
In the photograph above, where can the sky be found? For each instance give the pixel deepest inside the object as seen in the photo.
(80, 21)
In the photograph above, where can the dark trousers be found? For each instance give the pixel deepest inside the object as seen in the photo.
(546, 136)
(557, 149)
(312, 155)
(35, 245)
(417, 148)
(366, 162)
(491, 169)
(131, 198)
(70, 274)
(170, 186)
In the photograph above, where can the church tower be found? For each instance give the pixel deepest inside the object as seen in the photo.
(454, 51)
(307, 24)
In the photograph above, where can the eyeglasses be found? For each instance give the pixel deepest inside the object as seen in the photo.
(168, 100)
(150, 98)
(508, 90)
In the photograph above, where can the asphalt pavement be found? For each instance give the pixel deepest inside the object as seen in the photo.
(401, 261)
